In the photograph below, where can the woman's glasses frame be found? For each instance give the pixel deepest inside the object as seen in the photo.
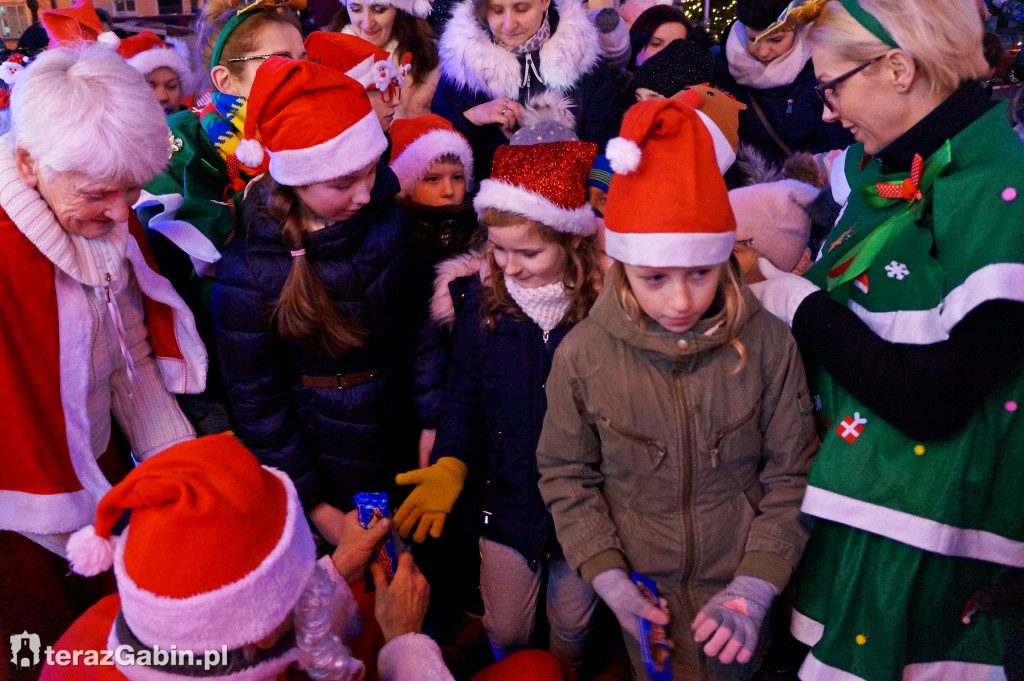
(823, 89)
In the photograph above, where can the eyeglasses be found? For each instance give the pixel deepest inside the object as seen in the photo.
(823, 90)
(259, 57)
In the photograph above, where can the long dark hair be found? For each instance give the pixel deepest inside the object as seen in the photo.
(642, 30)
(305, 309)
(414, 35)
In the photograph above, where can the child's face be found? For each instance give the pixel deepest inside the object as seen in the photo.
(385, 110)
(443, 185)
(768, 49)
(597, 197)
(524, 257)
(675, 297)
(341, 198)
(167, 87)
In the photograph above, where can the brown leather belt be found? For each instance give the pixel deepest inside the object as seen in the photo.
(340, 381)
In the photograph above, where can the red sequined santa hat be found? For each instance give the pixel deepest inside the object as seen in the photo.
(76, 24)
(664, 158)
(361, 60)
(285, 110)
(146, 52)
(418, 142)
(542, 182)
(189, 573)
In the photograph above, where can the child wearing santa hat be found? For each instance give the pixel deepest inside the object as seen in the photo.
(535, 280)
(366, 63)
(321, 299)
(164, 67)
(217, 577)
(678, 432)
(434, 164)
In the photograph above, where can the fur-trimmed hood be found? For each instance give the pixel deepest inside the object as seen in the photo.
(442, 307)
(471, 59)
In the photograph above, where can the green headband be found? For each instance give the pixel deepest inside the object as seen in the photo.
(225, 32)
(867, 21)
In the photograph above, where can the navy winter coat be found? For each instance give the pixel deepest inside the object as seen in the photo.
(332, 442)
(570, 78)
(491, 417)
(794, 111)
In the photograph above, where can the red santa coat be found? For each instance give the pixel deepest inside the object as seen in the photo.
(50, 481)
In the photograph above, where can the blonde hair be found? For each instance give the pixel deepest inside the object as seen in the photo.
(944, 38)
(581, 275)
(245, 37)
(730, 293)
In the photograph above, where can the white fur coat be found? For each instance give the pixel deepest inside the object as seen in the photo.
(472, 60)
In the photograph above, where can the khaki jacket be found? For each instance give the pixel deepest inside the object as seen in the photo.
(659, 455)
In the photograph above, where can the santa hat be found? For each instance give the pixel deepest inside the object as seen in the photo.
(417, 8)
(146, 52)
(360, 60)
(76, 24)
(665, 158)
(542, 182)
(285, 109)
(188, 573)
(418, 142)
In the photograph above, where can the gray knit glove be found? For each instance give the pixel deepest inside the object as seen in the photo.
(620, 593)
(734, 615)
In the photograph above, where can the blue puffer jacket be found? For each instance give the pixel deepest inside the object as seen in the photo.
(569, 78)
(332, 442)
(491, 417)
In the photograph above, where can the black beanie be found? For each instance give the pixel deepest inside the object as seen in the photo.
(680, 64)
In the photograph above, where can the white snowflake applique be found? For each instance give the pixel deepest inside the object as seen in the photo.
(897, 270)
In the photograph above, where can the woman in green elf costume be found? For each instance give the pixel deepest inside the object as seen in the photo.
(911, 321)
(189, 209)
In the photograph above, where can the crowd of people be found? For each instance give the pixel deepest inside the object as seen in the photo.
(722, 337)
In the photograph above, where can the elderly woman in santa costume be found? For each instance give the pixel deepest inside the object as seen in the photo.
(90, 329)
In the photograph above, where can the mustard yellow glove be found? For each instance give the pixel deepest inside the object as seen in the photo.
(437, 488)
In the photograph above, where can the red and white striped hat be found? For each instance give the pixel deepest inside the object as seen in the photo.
(285, 110)
(667, 204)
(543, 182)
(418, 142)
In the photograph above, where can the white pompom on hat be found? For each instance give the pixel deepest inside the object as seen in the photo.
(189, 574)
(417, 142)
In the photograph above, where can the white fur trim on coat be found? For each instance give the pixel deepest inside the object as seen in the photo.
(442, 307)
(358, 146)
(151, 60)
(669, 249)
(236, 614)
(515, 199)
(414, 162)
(470, 59)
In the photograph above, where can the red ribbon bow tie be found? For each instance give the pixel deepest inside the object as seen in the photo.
(908, 189)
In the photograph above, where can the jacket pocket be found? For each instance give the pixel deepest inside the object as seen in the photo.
(736, 446)
(629, 461)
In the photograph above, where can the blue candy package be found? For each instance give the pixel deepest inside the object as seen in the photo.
(371, 505)
(653, 638)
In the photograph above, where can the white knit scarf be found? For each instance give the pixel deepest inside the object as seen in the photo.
(748, 71)
(545, 305)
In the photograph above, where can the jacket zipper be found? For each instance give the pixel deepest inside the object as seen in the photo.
(688, 487)
(789, 106)
(720, 435)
